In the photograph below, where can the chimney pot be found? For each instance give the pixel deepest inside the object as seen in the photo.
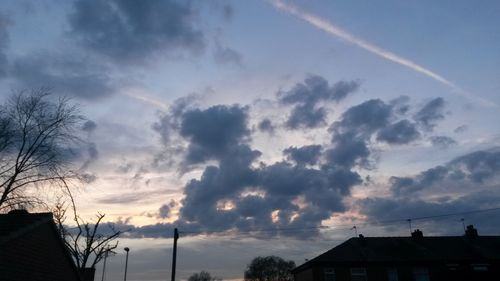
(417, 234)
(471, 232)
(362, 240)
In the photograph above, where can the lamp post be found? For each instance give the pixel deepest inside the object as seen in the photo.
(127, 249)
(104, 266)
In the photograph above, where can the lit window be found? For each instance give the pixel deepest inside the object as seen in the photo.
(392, 274)
(329, 274)
(421, 274)
(358, 274)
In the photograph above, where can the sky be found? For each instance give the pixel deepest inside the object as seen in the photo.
(268, 127)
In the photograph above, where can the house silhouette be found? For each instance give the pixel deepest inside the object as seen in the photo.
(32, 250)
(416, 258)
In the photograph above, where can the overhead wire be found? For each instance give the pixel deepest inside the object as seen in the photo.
(336, 227)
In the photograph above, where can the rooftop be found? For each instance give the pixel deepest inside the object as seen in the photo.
(18, 222)
(411, 249)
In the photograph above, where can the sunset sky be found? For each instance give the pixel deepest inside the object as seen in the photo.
(268, 127)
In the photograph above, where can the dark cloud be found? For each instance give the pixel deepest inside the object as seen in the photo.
(225, 182)
(219, 199)
(89, 126)
(88, 178)
(460, 129)
(348, 150)
(226, 55)
(70, 75)
(401, 132)
(228, 11)
(351, 135)
(166, 209)
(474, 169)
(316, 88)
(4, 43)
(442, 141)
(430, 113)
(125, 168)
(479, 166)
(169, 123)
(365, 118)
(92, 155)
(407, 185)
(235, 194)
(266, 125)
(354, 132)
(131, 30)
(92, 151)
(213, 132)
(306, 96)
(400, 105)
(133, 197)
(308, 154)
(306, 187)
(391, 209)
(462, 186)
(306, 116)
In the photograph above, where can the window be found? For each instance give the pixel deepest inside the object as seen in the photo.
(421, 274)
(358, 274)
(392, 274)
(329, 274)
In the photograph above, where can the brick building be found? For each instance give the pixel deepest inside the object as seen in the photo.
(31, 249)
(415, 258)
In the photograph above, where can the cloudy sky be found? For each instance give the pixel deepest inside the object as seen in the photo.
(269, 127)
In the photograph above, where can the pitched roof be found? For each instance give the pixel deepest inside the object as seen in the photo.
(32, 249)
(409, 249)
(16, 223)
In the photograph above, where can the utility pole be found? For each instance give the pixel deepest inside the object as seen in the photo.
(104, 266)
(174, 254)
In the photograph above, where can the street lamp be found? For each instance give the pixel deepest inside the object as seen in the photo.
(104, 267)
(126, 263)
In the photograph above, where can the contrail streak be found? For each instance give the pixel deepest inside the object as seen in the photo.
(348, 37)
(147, 99)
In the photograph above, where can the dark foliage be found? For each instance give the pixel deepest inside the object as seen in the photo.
(270, 268)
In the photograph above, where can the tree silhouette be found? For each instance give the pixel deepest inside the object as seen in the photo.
(35, 136)
(203, 276)
(270, 268)
(87, 242)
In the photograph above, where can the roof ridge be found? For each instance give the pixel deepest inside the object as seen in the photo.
(27, 214)
(41, 219)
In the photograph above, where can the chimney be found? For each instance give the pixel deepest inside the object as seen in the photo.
(362, 240)
(471, 232)
(417, 234)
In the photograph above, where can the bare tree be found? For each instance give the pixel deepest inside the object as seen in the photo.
(35, 134)
(87, 242)
(203, 276)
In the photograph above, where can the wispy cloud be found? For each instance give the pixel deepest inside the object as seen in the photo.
(147, 99)
(332, 29)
